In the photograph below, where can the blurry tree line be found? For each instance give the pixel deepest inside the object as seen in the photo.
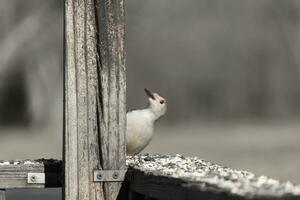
(211, 59)
(30, 61)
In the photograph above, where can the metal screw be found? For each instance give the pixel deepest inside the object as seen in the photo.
(99, 176)
(115, 175)
(33, 178)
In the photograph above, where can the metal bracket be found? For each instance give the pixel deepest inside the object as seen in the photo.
(109, 175)
(36, 178)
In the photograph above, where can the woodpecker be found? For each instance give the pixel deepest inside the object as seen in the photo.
(140, 123)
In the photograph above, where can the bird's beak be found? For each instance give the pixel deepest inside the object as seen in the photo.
(149, 93)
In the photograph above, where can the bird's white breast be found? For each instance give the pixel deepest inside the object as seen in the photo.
(139, 131)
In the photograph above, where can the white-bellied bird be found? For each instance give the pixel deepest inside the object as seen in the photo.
(140, 123)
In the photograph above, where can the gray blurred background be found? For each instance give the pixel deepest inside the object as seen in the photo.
(230, 71)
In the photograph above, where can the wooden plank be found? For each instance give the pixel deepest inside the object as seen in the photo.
(14, 174)
(94, 100)
(178, 177)
(111, 23)
(2, 194)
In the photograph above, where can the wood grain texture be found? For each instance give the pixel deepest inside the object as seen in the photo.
(13, 174)
(94, 99)
(111, 27)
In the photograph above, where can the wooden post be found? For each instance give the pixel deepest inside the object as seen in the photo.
(94, 97)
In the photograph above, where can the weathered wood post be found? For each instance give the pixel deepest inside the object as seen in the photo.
(94, 97)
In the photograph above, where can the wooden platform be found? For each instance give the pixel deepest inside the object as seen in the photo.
(162, 177)
(16, 174)
(189, 178)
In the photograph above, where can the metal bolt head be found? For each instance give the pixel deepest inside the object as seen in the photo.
(99, 176)
(115, 175)
(33, 178)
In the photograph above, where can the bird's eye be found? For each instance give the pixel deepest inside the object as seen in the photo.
(162, 102)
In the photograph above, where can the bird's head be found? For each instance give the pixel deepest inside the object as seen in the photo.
(157, 104)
